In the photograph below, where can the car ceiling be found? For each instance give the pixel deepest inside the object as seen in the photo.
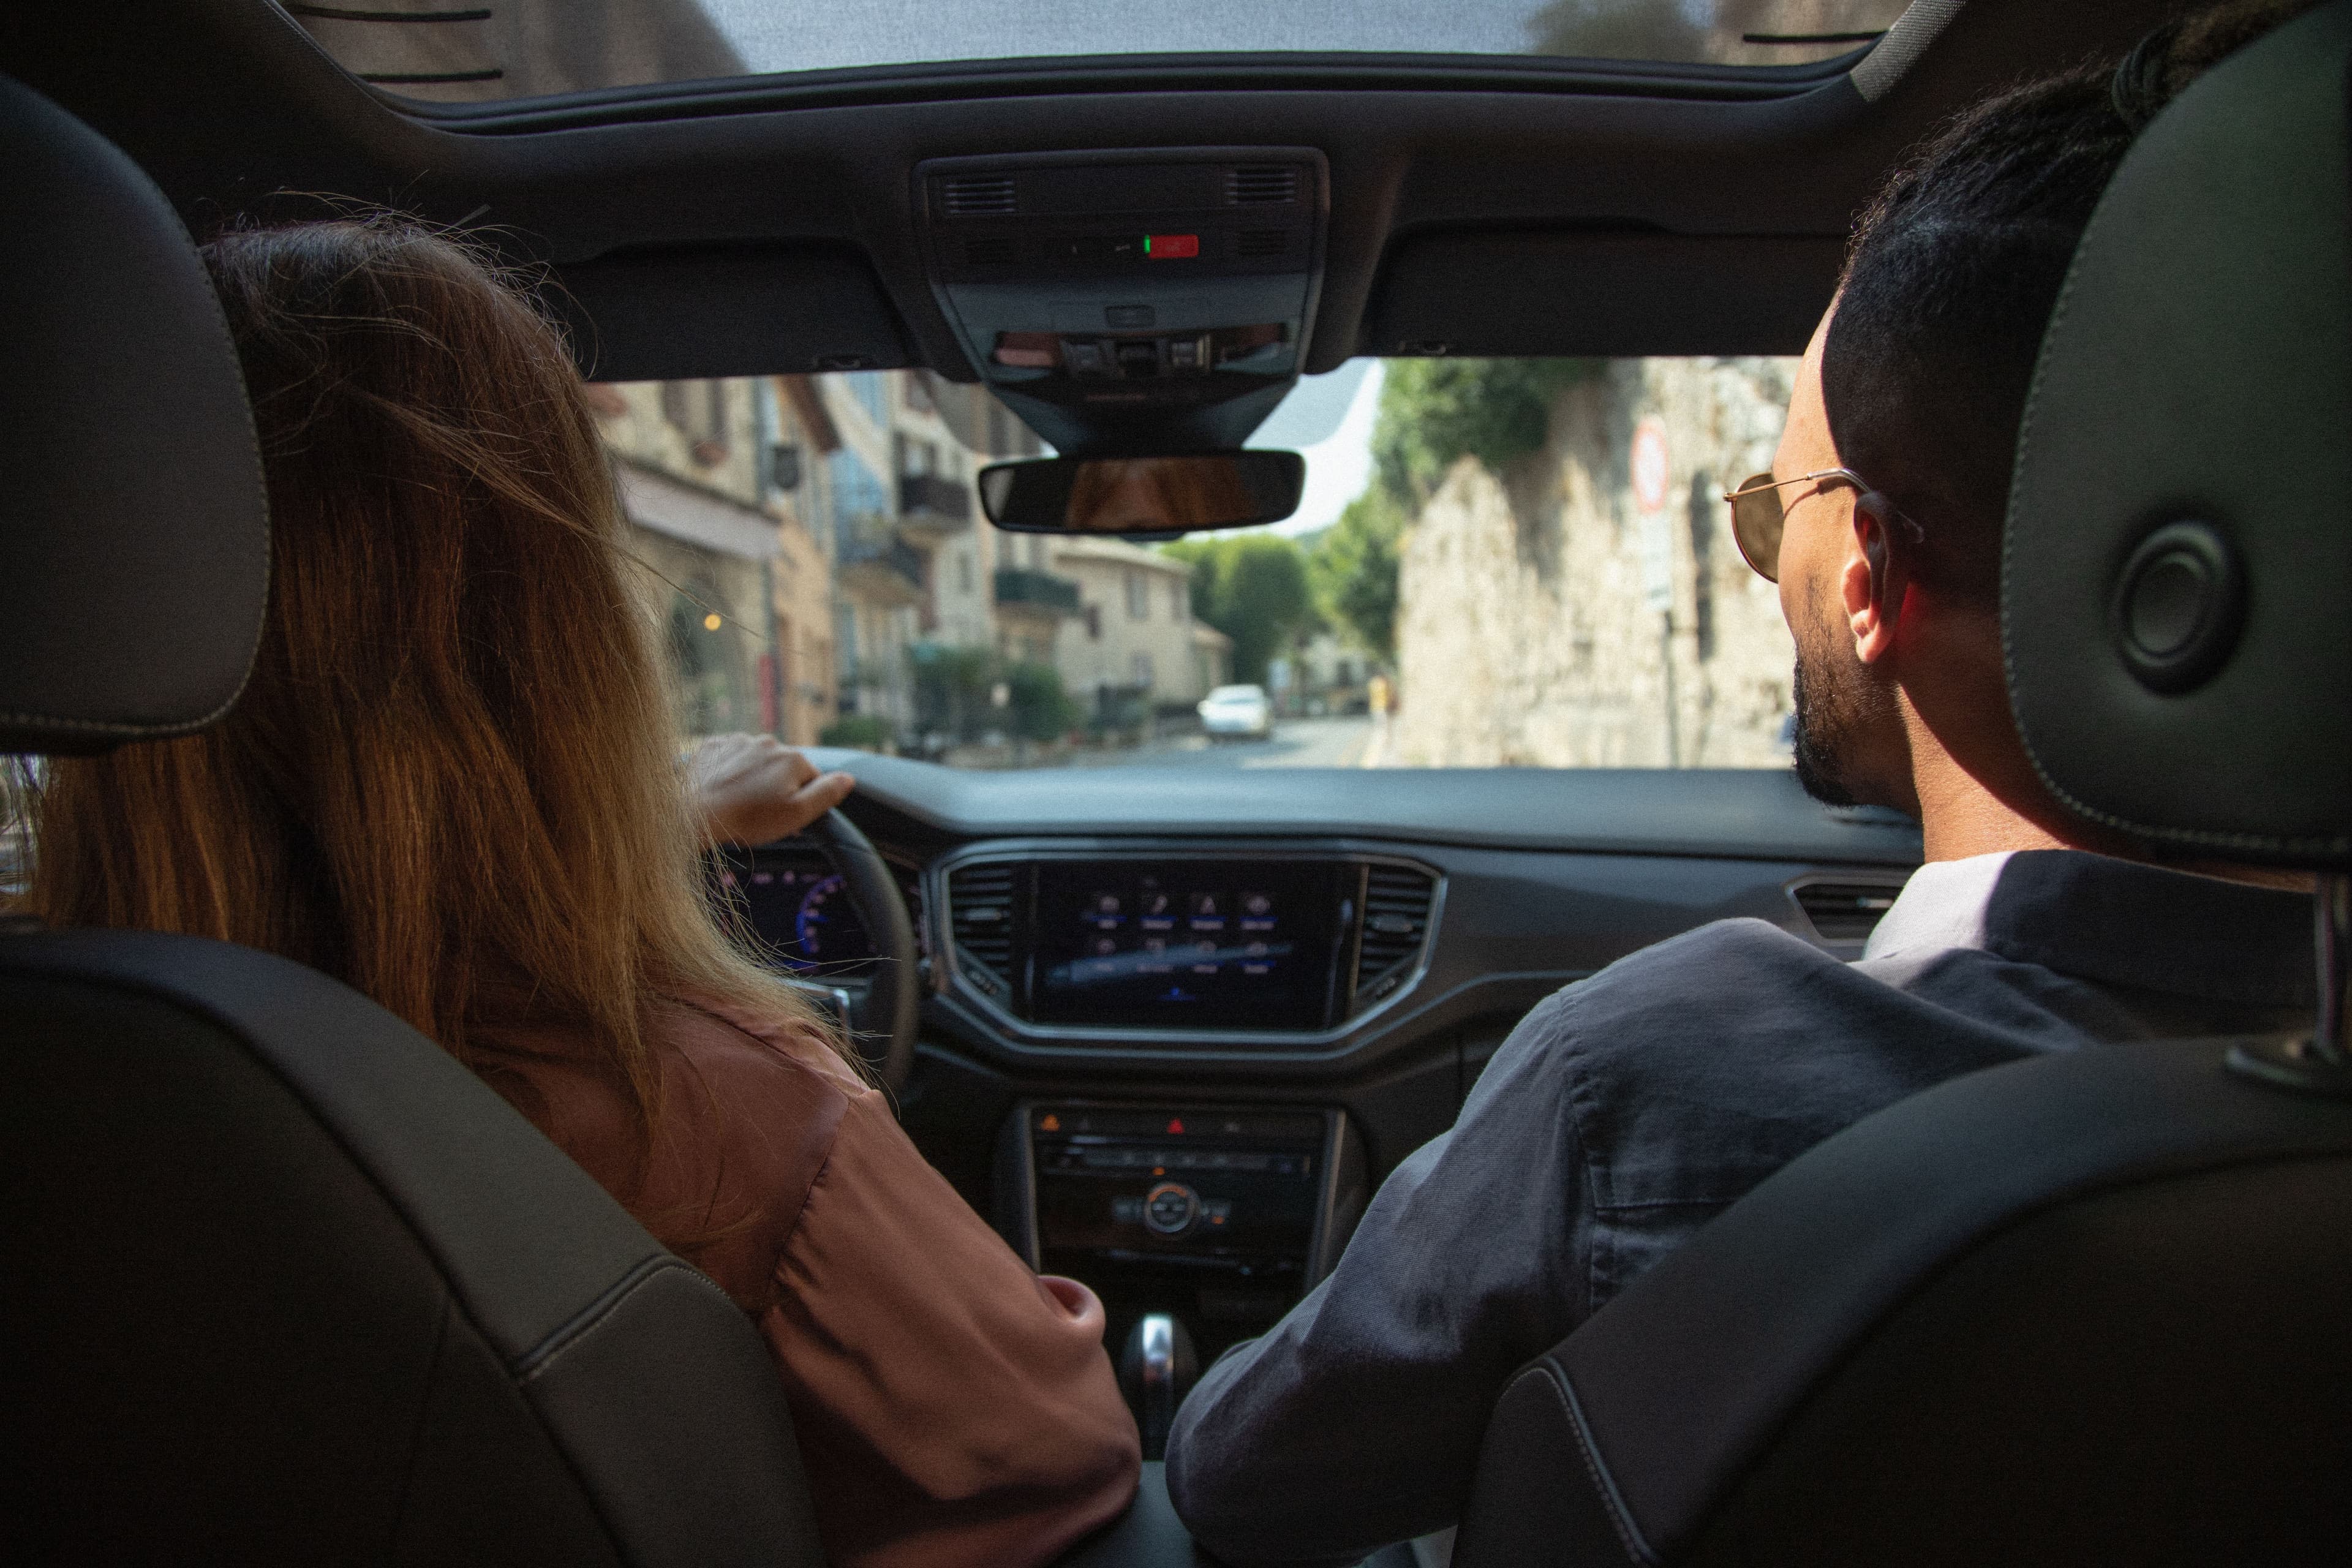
(769, 225)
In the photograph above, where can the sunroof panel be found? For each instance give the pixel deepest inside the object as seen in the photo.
(450, 51)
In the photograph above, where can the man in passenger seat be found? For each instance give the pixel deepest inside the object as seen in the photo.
(1631, 1108)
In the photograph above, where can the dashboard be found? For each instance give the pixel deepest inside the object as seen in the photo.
(796, 907)
(1178, 1026)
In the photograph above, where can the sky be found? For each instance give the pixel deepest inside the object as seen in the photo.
(1338, 454)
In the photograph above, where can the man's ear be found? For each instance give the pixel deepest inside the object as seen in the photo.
(1875, 578)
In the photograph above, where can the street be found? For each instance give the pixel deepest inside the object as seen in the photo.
(1297, 743)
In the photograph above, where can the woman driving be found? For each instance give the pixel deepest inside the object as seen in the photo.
(451, 781)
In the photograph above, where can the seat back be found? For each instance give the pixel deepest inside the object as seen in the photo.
(286, 1283)
(2087, 1308)
(2079, 1309)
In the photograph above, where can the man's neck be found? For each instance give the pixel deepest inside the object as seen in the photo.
(1990, 798)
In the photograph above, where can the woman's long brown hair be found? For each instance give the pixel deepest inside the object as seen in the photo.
(452, 779)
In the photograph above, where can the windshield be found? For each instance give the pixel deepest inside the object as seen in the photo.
(1495, 562)
(447, 51)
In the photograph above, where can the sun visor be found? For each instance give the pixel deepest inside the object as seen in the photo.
(703, 313)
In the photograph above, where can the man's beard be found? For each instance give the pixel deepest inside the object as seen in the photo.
(1825, 716)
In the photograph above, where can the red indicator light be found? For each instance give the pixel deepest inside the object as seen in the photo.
(1176, 1125)
(1170, 247)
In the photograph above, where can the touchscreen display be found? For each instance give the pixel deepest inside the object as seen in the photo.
(1217, 943)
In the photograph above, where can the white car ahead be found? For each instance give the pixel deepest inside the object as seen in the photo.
(1237, 710)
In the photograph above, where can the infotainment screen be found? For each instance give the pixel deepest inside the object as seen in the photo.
(1242, 944)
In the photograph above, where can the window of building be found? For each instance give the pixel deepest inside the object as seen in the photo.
(964, 572)
(872, 391)
(1176, 599)
(1139, 596)
(859, 497)
(1093, 622)
(1143, 670)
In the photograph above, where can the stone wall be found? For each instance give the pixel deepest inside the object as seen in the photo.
(1524, 637)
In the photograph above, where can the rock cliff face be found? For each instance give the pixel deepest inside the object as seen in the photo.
(1528, 631)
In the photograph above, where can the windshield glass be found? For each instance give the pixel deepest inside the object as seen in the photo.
(447, 51)
(1495, 562)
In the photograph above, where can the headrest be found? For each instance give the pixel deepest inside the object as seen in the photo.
(2176, 571)
(135, 527)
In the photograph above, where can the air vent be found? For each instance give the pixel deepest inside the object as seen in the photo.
(989, 251)
(1844, 911)
(979, 196)
(1262, 242)
(1254, 185)
(1396, 929)
(980, 919)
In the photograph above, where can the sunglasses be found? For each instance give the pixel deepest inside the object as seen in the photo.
(1757, 515)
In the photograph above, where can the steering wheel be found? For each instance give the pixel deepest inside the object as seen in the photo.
(882, 1021)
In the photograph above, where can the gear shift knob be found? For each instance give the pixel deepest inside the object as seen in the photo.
(1155, 1369)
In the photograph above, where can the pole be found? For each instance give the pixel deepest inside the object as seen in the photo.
(1666, 672)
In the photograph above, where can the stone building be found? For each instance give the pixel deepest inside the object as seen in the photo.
(1132, 646)
(1549, 617)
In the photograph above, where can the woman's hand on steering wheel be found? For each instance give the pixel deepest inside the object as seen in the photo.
(754, 789)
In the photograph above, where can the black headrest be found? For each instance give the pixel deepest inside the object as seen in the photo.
(134, 526)
(2177, 572)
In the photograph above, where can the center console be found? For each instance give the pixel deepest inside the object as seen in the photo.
(1222, 1215)
(1285, 949)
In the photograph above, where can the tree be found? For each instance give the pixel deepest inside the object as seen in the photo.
(951, 689)
(1435, 411)
(1038, 707)
(1353, 570)
(1253, 587)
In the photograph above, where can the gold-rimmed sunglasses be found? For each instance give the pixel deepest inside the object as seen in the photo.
(1757, 515)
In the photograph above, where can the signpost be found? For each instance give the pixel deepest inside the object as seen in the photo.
(1653, 474)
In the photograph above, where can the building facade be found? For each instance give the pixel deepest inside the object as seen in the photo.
(1132, 648)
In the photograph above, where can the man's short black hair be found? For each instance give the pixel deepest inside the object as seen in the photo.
(1955, 269)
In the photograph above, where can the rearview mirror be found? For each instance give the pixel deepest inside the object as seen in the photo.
(1158, 496)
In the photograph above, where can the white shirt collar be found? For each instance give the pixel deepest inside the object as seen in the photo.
(1944, 905)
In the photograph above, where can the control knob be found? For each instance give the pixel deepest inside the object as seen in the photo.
(1171, 1208)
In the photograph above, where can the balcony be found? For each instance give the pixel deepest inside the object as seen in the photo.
(1019, 588)
(932, 507)
(872, 562)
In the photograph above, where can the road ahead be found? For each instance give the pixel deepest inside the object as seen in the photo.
(1297, 743)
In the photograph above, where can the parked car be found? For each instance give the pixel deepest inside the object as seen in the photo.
(1241, 711)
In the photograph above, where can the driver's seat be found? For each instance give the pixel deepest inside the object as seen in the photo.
(2092, 1306)
(286, 1283)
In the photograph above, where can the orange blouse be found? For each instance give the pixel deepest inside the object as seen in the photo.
(952, 1407)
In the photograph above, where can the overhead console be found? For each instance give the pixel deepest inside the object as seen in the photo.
(1267, 948)
(1130, 301)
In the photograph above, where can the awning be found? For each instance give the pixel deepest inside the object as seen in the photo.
(666, 506)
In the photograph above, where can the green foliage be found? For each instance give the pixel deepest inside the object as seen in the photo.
(866, 731)
(1353, 570)
(1039, 709)
(951, 690)
(1435, 411)
(1254, 588)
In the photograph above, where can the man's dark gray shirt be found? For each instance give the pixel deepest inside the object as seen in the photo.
(1629, 1109)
